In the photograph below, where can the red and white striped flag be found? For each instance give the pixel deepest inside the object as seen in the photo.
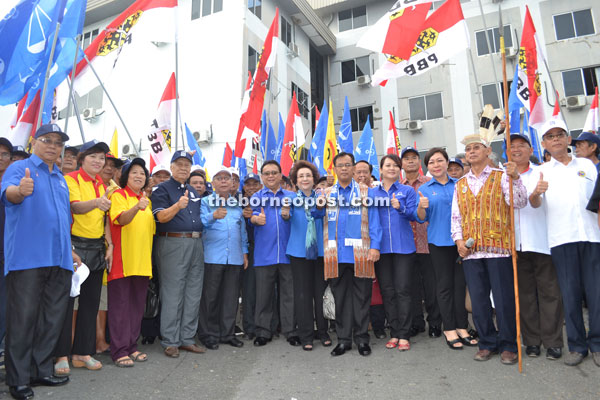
(25, 126)
(293, 139)
(393, 140)
(159, 138)
(592, 122)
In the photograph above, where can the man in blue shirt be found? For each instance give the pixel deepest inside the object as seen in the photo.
(352, 237)
(5, 155)
(226, 245)
(38, 282)
(176, 206)
(271, 232)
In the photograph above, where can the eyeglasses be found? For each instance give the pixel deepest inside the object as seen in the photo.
(552, 136)
(50, 142)
(5, 156)
(270, 173)
(222, 178)
(347, 165)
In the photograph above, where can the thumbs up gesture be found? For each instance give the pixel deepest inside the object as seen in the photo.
(395, 203)
(260, 219)
(220, 213)
(541, 186)
(423, 202)
(285, 209)
(247, 212)
(143, 203)
(26, 184)
(183, 200)
(103, 203)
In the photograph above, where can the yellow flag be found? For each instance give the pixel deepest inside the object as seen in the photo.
(330, 143)
(114, 144)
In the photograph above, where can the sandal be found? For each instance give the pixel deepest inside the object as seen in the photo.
(307, 347)
(91, 364)
(124, 362)
(61, 368)
(138, 356)
(392, 343)
(326, 340)
(452, 343)
(403, 346)
(468, 341)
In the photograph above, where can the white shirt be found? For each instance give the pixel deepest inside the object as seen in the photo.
(530, 223)
(569, 190)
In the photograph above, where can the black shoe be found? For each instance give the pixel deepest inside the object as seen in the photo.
(380, 334)
(211, 345)
(294, 340)
(249, 336)
(238, 330)
(50, 381)
(325, 340)
(364, 349)
(21, 392)
(435, 331)
(340, 349)
(261, 341)
(532, 351)
(473, 333)
(553, 353)
(235, 342)
(415, 330)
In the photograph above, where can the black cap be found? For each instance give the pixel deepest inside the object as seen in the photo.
(514, 136)
(6, 143)
(20, 151)
(72, 149)
(51, 128)
(135, 161)
(103, 147)
(118, 162)
(408, 149)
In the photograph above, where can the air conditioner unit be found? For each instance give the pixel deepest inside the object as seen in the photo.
(126, 151)
(575, 102)
(416, 125)
(363, 80)
(293, 50)
(89, 114)
(511, 52)
(204, 136)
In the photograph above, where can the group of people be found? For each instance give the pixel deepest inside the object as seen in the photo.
(104, 227)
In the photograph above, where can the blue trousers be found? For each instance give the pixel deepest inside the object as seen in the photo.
(578, 269)
(495, 274)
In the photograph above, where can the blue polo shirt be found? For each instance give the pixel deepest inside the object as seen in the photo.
(439, 213)
(272, 238)
(186, 220)
(41, 222)
(225, 240)
(346, 253)
(297, 243)
(397, 234)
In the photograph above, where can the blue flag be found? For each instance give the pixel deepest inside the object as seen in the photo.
(365, 149)
(317, 146)
(241, 165)
(193, 146)
(263, 135)
(345, 135)
(280, 135)
(271, 145)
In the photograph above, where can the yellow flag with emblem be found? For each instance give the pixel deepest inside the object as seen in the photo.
(114, 144)
(330, 143)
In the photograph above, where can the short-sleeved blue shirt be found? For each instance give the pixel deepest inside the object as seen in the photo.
(186, 220)
(38, 230)
(439, 213)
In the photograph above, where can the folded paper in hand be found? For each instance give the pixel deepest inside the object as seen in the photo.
(79, 277)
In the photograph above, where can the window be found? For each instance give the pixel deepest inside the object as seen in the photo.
(358, 117)
(490, 95)
(207, 7)
(303, 100)
(352, 69)
(88, 38)
(573, 24)
(581, 81)
(352, 19)
(255, 7)
(436, 4)
(426, 107)
(286, 32)
(575, 133)
(252, 59)
(494, 38)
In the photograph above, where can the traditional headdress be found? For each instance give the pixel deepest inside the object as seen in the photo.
(487, 127)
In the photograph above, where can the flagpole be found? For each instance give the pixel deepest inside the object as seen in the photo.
(177, 90)
(554, 89)
(487, 40)
(476, 81)
(48, 67)
(111, 102)
(512, 205)
(71, 99)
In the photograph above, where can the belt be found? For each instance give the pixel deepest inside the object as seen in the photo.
(194, 235)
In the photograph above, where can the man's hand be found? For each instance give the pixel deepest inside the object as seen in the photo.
(220, 213)
(321, 200)
(511, 169)
(247, 213)
(103, 203)
(463, 251)
(285, 209)
(395, 203)
(76, 259)
(245, 261)
(260, 219)
(109, 256)
(541, 186)
(143, 203)
(423, 202)
(373, 255)
(330, 180)
(183, 200)
(26, 184)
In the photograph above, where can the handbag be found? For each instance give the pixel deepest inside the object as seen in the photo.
(152, 300)
(91, 252)
(328, 304)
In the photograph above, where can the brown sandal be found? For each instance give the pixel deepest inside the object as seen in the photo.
(124, 362)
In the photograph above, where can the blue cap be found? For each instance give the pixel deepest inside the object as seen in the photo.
(456, 161)
(128, 164)
(182, 154)
(51, 128)
(72, 149)
(6, 143)
(103, 147)
(251, 176)
(407, 149)
(589, 136)
(514, 136)
(20, 150)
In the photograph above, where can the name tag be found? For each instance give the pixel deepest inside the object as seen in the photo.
(353, 242)
(354, 211)
(331, 244)
(332, 215)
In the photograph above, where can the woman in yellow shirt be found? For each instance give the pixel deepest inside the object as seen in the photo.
(132, 227)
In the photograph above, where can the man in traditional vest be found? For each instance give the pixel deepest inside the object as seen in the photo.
(351, 236)
(480, 211)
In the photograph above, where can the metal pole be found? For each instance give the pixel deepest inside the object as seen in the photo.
(45, 88)
(476, 81)
(112, 103)
(487, 40)
(177, 94)
(71, 97)
(554, 89)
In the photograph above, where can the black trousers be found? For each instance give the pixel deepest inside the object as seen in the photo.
(309, 286)
(540, 300)
(578, 269)
(450, 287)
(267, 279)
(2, 302)
(395, 277)
(424, 289)
(377, 317)
(495, 274)
(352, 300)
(36, 307)
(218, 307)
(84, 343)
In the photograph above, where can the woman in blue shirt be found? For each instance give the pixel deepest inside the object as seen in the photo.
(435, 207)
(305, 249)
(394, 268)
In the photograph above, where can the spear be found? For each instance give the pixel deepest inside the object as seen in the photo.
(510, 180)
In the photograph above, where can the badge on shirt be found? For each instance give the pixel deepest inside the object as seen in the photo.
(581, 174)
(464, 190)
